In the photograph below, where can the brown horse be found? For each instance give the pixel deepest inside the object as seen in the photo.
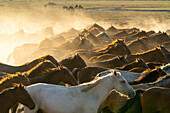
(55, 76)
(149, 76)
(9, 97)
(87, 74)
(135, 36)
(111, 63)
(154, 55)
(101, 57)
(152, 100)
(74, 61)
(138, 46)
(9, 81)
(137, 63)
(117, 48)
(27, 66)
(101, 29)
(40, 68)
(156, 100)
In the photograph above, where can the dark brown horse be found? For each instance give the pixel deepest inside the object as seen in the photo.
(74, 61)
(152, 100)
(40, 68)
(156, 100)
(87, 74)
(149, 76)
(154, 55)
(27, 66)
(9, 97)
(137, 63)
(9, 81)
(117, 48)
(55, 76)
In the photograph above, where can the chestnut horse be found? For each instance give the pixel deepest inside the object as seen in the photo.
(11, 96)
(55, 76)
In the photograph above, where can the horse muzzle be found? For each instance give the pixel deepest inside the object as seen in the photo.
(32, 107)
(132, 94)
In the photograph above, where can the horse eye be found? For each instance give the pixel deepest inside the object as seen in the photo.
(123, 81)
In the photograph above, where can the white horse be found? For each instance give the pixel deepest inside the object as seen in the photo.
(129, 76)
(84, 98)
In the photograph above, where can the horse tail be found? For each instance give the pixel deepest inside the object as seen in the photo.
(134, 101)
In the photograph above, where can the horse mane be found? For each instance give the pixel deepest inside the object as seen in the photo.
(162, 79)
(156, 48)
(89, 86)
(108, 45)
(11, 76)
(131, 102)
(147, 74)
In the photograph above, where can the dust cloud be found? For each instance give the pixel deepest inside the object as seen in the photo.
(20, 25)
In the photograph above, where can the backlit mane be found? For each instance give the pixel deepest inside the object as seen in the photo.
(93, 83)
(156, 48)
(11, 76)
(108, 45)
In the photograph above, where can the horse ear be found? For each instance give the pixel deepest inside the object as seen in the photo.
(20, 85)
(115, 73)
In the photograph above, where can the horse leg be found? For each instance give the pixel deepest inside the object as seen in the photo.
(14, 108)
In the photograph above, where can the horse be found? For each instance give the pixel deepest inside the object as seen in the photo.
(65, 8)
(111, 63)
(138, 46)
(135, 36)
(90, 95)
(117, 48)
(11, 96)
(152, 100)
(100, 28)
(71, 8)
(73, 61)
(10, 80)
(137, 63)
(101, 57)
(116, 103)
(154, 55)
(104, 38)
(55, 76)
(161, 82)
(156, 100)
(121, 35)
(26, 66)
(87, 74)
(149, 76)
(40, 68)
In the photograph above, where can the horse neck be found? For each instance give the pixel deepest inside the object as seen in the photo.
(9, 82)
(28, 66)
(101, 90)
(130, 66)
(7, 100)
